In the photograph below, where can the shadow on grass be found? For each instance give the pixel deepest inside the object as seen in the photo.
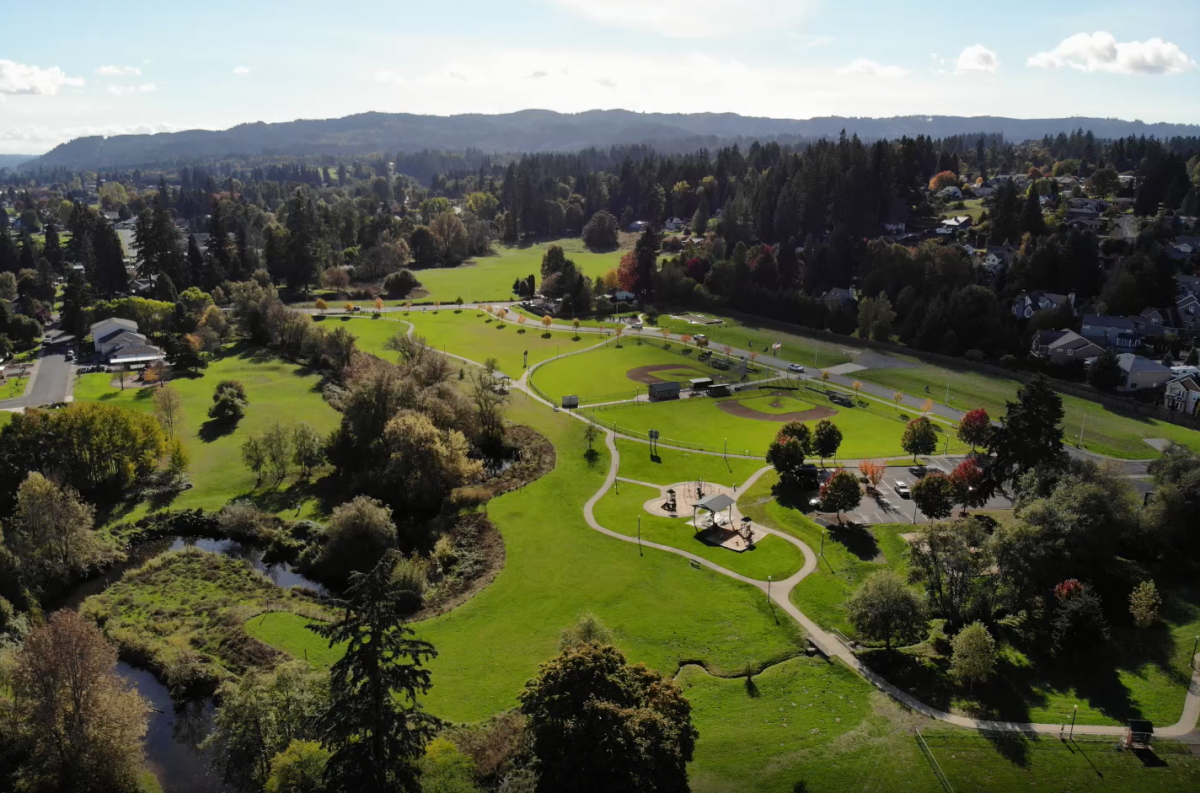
(1012, 746)
(215, 429)
(276, 497)
(856, 539)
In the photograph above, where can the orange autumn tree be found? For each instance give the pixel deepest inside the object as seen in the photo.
(873, 470)
(942, 180)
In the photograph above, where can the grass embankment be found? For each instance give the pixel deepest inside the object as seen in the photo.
(468, 333)
(870, 429)
(662, 611)
(278, 392)
(182, 613)
(621, 507)
(1104, 431)
(1136, 676)
(749, 335)
(603, 373)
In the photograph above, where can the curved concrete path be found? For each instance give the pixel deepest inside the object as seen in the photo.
(780, 594)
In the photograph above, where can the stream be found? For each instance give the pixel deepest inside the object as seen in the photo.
(176, 729)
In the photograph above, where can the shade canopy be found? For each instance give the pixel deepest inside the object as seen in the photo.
(715, 502)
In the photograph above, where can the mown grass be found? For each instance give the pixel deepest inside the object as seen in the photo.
(621, 507)
(468, 333)
(604, 372)
(181, 614)
(749, 335)
(278, 392)
(870, 429)
(672, 466)
(661, 610)
(1104, 431)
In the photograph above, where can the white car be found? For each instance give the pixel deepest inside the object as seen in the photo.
(795, 367)
(815, 503)
(901, 489)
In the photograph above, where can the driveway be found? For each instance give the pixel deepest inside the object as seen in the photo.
(52, 375)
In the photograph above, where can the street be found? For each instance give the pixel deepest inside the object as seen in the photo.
(51, 376)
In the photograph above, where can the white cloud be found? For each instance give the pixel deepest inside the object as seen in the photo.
(866, 66)
(240, 70)
(18, 78)
(977, 58)
(119, 71)
(691, 19)
(126, 90)
(1101, 52)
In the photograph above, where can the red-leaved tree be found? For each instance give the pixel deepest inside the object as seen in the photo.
(975, 428)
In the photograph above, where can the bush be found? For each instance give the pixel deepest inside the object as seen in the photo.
(400, 283)
(229, 401)
(601, 231)
(357, 536)
(1009, 362)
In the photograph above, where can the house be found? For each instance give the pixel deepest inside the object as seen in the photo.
(1188, 308)
(638, 225)
(954, 224)
(621, 296)
(895, 221)
(983, 192)
(1187, 285)
(1119, 333)
(1064, 346)
(1140, 373)
(950, 193)
(1029, 303)
(999, 257)
(1152, 322)
(838, 297)
(674, 224)
(1182, 395)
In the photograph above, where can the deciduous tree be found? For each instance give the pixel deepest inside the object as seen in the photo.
(1144, 603)
(840, 492)
(827, 438)
(885, 609)
(974, 658)
(975, 428)
(935, 495)
(919, 437)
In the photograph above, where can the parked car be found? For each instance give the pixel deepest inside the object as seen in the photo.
(70, 355)
(901, 489)
(815, 503)
(795, 367)
(720, 364)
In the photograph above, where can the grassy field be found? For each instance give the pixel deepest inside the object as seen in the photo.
(603, 373)
(749, 335)
(673, 466)
(621, 507)
(871, 431)
(5, 417)
(469, 333)
(278, 392)
(972, 206)
(1104, 431)
(661, 610)
(1135, 678)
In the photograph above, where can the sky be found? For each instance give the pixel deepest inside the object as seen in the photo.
(76, 68)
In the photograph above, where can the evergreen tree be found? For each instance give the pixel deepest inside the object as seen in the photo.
(10, 259)
(197, 267)
(1032, 221)
(700, 219)
(51, 250)
(1029, 435)
(28, 252)
(111, 277)
(375, 729)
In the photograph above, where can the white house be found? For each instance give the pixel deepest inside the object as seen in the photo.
(1140, 373)
(118, 342)
(674, 224)
(1182, 395)
(950, 193)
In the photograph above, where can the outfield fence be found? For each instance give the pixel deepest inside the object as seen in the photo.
(937, 769)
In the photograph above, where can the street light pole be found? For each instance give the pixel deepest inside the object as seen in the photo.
(768, 587)
(1074, 713)
(823, 533)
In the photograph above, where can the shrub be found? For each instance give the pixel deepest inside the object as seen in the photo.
(229, 401)
(400, 283)
(357, 536)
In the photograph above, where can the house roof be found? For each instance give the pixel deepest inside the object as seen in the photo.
(124, 323)
(1069, 339)
(136, 354)
(1104, 321)
(1187, 382)
(123, 338)
(1136, 363)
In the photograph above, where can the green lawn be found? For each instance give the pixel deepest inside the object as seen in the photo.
(758, 336)
(673, 466)
(603, 374)
(621, 507)
(278, 392)
(5, 417)
(469, 333)
(870, 431)
(661, 610)
(773, 405)
(1104, 431)
(972, 206)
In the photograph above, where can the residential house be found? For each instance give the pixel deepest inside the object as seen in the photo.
(954, 224)
(1187, 285)
(1119, 333)
(895, 221)
(1188, 308)
(1064, 346)
(1182, 395)
(983, 192)
(674, 224)
(1140, 373)
(638, 225)
(1152, 322)
(950, 193)
(621, 296)
(1027, 304)
(838, 297)
(999, 257)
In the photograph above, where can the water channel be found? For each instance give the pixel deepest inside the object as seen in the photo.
(177, 728)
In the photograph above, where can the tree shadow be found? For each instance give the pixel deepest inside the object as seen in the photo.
(1149, 758)
(1012, 746)
(856, 539)
(752, 688)
(215, 429)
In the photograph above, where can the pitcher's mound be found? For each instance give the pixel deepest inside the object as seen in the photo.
(736, 408)
(645, 374)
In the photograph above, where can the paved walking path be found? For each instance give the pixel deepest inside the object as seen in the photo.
(779, 594)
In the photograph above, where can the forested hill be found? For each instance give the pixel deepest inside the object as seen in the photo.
(542, 130)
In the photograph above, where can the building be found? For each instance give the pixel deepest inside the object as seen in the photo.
(1183, 395)
(674, 224)
(950, 193)
(1064, 347)
(999, 257)
(1119, 333)
(1139, 373)
(118, 343)
(896, 219)
(663, 391)
(1027, 304)
(954, 224)
(1188, 307)
(838, 297)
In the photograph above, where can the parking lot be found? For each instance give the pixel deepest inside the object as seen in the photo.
(888, 506)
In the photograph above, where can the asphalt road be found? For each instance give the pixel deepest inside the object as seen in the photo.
(52, 378)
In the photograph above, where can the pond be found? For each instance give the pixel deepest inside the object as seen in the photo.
(176, 729)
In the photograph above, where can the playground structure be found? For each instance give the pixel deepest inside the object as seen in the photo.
(715, 517)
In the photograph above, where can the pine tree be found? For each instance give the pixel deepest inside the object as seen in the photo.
(1032, 221)
(375, 728)
(51, 250)
(10, 259)
(28, 252)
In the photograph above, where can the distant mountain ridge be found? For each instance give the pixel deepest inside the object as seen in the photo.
(13, 160)
(541, 131)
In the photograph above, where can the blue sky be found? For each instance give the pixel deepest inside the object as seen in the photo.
(77, 68)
